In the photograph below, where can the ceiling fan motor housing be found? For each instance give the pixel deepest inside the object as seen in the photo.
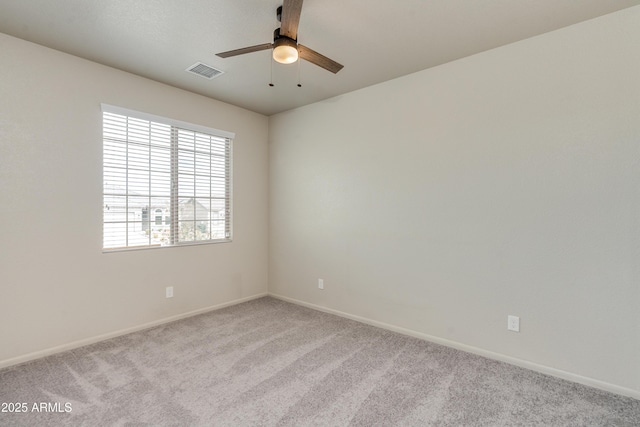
(277, 36)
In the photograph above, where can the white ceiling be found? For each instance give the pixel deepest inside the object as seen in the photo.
(375, 40)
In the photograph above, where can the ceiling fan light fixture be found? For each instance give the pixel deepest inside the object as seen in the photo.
(285, 47)
(285, 50)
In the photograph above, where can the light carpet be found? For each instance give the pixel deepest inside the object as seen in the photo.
(271, 363)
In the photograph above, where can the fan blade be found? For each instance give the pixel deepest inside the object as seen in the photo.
(318, 59)
(244, 50)
(290, 18)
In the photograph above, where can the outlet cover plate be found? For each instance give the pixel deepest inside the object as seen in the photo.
(513, 323)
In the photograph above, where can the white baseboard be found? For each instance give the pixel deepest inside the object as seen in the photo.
(81, 343)
(602, 385)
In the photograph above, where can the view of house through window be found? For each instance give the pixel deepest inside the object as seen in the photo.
(166, 183)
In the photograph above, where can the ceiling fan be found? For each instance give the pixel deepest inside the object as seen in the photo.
(286, 49)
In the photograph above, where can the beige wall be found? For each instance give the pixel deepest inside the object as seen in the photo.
(56, 285)
(503, 183)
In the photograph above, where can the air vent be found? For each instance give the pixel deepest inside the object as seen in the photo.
(203, 70)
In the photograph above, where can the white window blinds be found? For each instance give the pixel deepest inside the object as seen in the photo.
(166, 183)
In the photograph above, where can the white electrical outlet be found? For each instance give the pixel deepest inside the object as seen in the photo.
(320, 284)
(169, 292)
(513, 323)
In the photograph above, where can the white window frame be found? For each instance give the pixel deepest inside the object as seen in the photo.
(178, 129)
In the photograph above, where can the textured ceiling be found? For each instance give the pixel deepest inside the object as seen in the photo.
(374, 40)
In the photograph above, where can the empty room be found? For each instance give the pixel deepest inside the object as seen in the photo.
(320, 213)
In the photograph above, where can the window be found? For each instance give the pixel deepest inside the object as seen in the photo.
(165, 182)
(158, 216)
